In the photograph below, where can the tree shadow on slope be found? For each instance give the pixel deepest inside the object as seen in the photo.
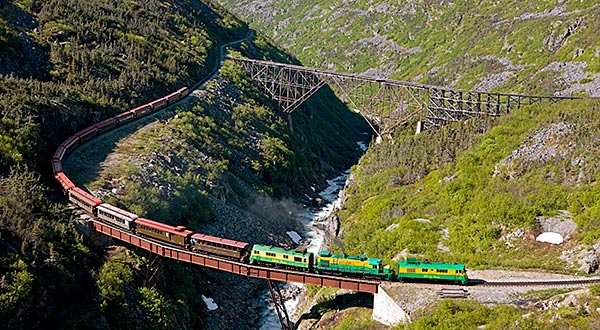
(84, 166)
(337, 302)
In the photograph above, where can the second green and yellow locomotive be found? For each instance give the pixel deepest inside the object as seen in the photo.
(357, 266)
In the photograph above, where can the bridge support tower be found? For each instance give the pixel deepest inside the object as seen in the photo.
(153, 269)
(278, 301)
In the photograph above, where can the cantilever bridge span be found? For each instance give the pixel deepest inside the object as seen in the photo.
(384, 103)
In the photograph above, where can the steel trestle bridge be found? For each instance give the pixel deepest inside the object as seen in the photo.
(384, 103)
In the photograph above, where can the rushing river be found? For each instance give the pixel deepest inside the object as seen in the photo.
(315, 223)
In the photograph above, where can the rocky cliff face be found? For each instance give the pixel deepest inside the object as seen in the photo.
(547, 48)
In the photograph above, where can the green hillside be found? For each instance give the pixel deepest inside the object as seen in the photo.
(457, 195)
(425, 194)
(431, 190)
(462, 193)
(65, 65)
(541, 47)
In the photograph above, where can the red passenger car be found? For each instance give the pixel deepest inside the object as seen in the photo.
(125, 117)
(69, 143)
(84, 200)
(158, 104)
(142, 110)
(167, 233)
(105, 125)
(64, 181)
(56, 165)
(220, 246)
(60, 152)
(86, 133)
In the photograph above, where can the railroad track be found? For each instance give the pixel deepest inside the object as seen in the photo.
(575, 282)
(463, 292)
(453, 293)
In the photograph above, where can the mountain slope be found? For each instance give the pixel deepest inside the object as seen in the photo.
(461, 193)
(542, 47)
(65, 65)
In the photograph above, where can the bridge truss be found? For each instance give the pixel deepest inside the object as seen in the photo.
(385, 104)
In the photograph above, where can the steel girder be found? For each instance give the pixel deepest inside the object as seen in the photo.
(384, 103)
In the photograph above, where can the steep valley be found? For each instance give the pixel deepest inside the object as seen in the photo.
(228, 162)
(479, 191)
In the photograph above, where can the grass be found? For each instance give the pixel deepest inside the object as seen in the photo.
(474, 205)
(523, 34)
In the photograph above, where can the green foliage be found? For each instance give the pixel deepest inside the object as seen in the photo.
(426, 41)
(459, 314)
(65, 65)
(235, 75)
(465, 314)
(113, 280)
(356, 319)
(156, 308)
(16, 284)
(466, 192)
(595, 289)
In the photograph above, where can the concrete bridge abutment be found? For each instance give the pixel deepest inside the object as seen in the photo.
(387, 311)
(83, 225)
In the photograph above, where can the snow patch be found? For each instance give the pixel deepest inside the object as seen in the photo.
(550, 237)
(294, 236)
(392, 226)
(210, 303)
(362, 146)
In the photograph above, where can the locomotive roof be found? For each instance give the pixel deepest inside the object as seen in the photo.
(276, 249)
(224, 241)
(415, 263)
(362, 257)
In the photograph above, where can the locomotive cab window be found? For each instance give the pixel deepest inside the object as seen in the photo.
(297, 259)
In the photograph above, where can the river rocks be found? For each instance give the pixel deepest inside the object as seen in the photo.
(585, 258)
(590, 262)
(494, 80)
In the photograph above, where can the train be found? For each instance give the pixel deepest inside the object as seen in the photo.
(361, 266)
(300, 259)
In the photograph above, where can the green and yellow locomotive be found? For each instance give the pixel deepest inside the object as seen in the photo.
(353, 265)
(412, 268)
(272, 255)
(357, 266)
